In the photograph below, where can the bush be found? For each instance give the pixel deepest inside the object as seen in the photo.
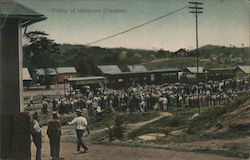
(206, 119)
(117, 132)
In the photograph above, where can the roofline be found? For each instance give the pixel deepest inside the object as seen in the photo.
(83, 78)
(143, 72)
(30, 22)
(28, 19)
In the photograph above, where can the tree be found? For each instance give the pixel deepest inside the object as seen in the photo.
(41, 52)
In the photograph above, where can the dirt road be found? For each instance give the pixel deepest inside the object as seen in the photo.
(109, 152)
(103, 152)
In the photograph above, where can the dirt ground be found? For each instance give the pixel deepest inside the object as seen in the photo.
(109, 152)
(103, 152)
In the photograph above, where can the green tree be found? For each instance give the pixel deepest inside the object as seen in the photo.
(41, 52)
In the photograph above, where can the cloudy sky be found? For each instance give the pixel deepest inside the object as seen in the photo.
(223, 22)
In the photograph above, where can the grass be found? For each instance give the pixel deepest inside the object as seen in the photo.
(138, 117)
(163, 125)
(96, 137)
(108, 119)
(172, 63)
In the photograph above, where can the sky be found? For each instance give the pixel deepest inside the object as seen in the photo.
(223, 22)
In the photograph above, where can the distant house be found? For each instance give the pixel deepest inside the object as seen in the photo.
(109, 69)
(193, 70)
(51, 72)
(242, 72)
(40, 75)
(191, 73)
(82, 83)
(152, 77)
(65, 72)
(27, 80)
(136, 68)
(221, 73)
(181, 52)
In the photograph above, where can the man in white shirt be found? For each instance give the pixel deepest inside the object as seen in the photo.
(36, 135)
(80, 123)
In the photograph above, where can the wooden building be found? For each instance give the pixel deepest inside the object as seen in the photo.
(128, 79)
(14, 126)
(190, 74)
(64, 73)
(27, 80)
(242, 72)
(136, 68)
(82, 82)
(109, 69)
(40, 76)
(221, 73)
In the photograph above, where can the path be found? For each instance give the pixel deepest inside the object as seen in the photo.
(104, 152)
(134, 126)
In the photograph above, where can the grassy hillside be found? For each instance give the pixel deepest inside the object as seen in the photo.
(86, 58)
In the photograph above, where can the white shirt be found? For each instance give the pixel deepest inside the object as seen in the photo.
(36, 126)
(79, 122)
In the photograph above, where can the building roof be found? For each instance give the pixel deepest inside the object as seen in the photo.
(194, 69)
(86, 78)
(245, 69)
(13, 9)
(52, 72)
(136, 68)
(26, 74)
(222, 69)
(109, 69)
(62, 70)
(150, 71)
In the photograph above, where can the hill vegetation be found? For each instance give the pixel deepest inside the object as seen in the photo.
(85, 58)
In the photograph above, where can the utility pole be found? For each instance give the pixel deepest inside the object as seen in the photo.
(196, 9)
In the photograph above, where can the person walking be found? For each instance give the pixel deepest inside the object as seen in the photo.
(54, 134)
(36, 135)
(80, 123)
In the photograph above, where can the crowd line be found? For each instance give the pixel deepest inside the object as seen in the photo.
(151, 97)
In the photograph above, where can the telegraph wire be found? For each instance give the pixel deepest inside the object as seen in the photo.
(138, 26)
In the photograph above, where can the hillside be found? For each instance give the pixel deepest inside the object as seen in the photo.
(86, 58)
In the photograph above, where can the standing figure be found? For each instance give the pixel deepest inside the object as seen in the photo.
(54, 134)
(80, 123)
(36, 135)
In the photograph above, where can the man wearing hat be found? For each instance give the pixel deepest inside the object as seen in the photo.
(36, 135)
(80, 123)
(54, 134)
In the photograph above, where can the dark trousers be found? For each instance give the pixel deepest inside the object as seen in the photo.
(79, 134)
(55, 146)
(37, 139)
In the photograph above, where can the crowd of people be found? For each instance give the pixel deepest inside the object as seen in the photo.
(152, 97)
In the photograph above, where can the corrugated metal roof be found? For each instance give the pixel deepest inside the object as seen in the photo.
(51, 71)
(12, 9)
(26, 74)
(137, 68)
(245, 69)
(86, 78)
(221, 69)
(194, 69)
(150, 71)
(109, 69)
(62, 70)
